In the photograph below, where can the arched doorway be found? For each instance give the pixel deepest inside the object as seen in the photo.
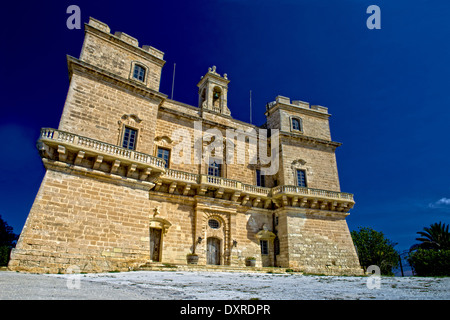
(213, 251)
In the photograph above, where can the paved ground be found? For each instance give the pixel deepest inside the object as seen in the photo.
(177, 285)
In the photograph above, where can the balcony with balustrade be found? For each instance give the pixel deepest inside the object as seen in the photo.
(58, 148)
(179, 182)
(296, 196)
(68, 150)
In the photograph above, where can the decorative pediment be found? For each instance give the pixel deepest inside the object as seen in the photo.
(265, 235)
(131, 117)
(159, 223)
(298, 162)
(163, 140)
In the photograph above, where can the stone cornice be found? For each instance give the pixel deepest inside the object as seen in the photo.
(206, 121)
(96, 174)
(310, 140)
(298, 109)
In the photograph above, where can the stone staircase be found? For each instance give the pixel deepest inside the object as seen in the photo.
(157, 266)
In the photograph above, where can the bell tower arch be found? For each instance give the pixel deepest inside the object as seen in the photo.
(213, 91)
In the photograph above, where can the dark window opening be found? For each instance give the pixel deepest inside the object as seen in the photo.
(260, 179)
(139, 73)
(213, 224)
(296, 124)
(165, 155)
(214, 168)
(301, 178)
(264, 247)
(129, 138)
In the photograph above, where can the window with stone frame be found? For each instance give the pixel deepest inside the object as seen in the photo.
(139, 72)
(215, 168)
(129, 138)
(296, 124)
(301, 178)
(164, 154)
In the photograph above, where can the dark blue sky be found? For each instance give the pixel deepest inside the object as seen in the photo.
(387, 90)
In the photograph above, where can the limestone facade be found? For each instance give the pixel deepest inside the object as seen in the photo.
(116, 194)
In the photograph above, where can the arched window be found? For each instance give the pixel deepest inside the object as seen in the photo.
(216, 93)
(216, 105)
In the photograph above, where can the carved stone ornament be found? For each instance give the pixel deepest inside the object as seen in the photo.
(297, 162)
(159, 223)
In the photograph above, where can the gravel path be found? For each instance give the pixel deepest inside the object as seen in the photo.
(176, 285)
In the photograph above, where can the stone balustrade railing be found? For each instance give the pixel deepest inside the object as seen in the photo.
(84, 143)
(172, 174)
(256, 190)
(286, 189)
(220, 182)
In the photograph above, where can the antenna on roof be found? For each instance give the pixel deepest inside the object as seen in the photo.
(250, 106)
(173, 80)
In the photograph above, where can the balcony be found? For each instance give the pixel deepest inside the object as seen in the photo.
(59, 148)
(63, 140)
(179, 182)
(312, 198)
(190, 183)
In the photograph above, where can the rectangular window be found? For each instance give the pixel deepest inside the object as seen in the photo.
(139, 73)
(129, 138)
(214, 168)
(260, 178)
(301, 178)
(165, 155)
(264, 247)
(296, 124)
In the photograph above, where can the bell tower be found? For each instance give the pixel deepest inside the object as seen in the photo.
(212, 92)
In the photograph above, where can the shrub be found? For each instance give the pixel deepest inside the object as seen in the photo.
(374, 248)
(4, 255)
(430, 262)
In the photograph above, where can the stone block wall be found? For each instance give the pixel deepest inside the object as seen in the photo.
(119, 52)
(315, 242)
(100, 110)
(318, 161)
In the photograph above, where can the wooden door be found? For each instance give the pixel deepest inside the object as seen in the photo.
(155, 244)
(213, 251)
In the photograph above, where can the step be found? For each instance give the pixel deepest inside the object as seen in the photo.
(152, 266)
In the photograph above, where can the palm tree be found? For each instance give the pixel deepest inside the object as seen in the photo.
(435, 237)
